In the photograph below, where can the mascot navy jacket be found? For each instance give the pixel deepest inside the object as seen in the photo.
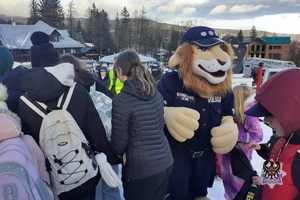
(211, 109)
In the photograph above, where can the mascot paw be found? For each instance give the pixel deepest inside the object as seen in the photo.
(224, 137)
(181, 122)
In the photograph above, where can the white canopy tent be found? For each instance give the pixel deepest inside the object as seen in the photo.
(109, 59)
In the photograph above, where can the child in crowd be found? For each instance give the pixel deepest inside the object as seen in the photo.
(249, 131)
(279, 103)
(156, 71)
(137, 131)
(103, 76)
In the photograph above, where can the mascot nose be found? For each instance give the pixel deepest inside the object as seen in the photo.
(221, 62)
(218, 53)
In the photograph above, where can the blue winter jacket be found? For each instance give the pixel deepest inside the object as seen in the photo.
(211, 110)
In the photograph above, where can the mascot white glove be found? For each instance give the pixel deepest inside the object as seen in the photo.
(181, 122)
(224, 137)
(107, 172)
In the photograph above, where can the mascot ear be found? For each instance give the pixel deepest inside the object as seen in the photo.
(174, 61)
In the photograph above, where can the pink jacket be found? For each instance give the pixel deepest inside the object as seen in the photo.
(12, 128)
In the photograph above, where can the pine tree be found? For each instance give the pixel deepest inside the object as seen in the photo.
(145, 37)
(78, 32)
(118, 32)
(34, 15)
(294, 51)
(135, 28)
(71, 12)
(79, 28)
(107, 44)
(174, 40)
(98, 29)
(240, 36)
(125, 27)
(253, 33)
(92, 26)
(52, 13)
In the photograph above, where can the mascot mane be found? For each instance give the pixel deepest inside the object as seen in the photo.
(194, 82)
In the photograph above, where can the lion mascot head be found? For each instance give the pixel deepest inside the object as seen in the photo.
(204, 62)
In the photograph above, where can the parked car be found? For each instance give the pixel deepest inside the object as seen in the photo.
(251, 65)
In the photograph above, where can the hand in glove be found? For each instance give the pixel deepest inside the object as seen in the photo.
(181, 122)
(224, 137)
(107, 172)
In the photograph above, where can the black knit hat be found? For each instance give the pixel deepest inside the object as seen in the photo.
(39, 37)
(43, 53)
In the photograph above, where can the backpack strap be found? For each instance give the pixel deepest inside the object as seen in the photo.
(42, 109)
(64, 105)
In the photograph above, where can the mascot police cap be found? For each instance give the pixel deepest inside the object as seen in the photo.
(202, 36)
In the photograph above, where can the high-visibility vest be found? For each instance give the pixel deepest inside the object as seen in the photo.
(115, 85)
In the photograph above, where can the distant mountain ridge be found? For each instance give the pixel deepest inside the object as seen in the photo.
(221, 32)
(234, 32)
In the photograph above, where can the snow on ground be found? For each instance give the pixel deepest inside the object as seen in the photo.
(217, 191)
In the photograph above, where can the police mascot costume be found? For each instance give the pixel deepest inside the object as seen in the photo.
(198, 111)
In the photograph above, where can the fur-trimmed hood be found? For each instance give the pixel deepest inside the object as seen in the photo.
(10, 122)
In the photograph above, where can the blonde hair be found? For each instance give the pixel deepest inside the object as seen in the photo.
(132, 67)
(241, 94)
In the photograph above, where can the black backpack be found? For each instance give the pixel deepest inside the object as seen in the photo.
(242, 168)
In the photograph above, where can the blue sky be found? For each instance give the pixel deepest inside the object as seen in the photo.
(278, 16)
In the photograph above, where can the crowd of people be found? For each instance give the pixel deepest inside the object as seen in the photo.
(138, 144)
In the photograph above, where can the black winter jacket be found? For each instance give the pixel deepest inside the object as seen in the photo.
(87, 79)
(44, 87)
(137, 132)
(12, 82)
(104, 81)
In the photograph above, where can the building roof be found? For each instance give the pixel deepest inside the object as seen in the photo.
(246, 41)
(233, 40)
(110, 58)
(15, 36)
(87, 50)
(276, 40)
